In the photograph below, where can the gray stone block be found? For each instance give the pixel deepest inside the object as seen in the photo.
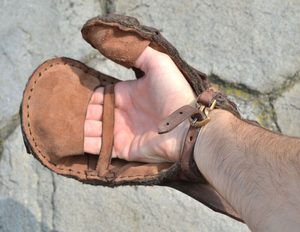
(31, 32)
(25, 190)
(287, 107)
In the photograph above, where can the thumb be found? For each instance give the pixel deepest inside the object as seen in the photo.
(150, 59)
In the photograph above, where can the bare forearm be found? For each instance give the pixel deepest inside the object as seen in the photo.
(257, 171)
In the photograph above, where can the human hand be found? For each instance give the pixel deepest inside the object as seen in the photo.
(140, 105)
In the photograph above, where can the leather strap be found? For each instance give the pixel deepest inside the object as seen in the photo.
(107, 130)
(189, 169)
(173, 120)
(177, 117)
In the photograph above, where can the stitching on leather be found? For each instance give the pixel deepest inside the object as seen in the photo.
(28, 104)
(40, 74)
(122, 177)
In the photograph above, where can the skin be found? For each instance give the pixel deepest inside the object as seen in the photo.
(255, 170)
(140, 106)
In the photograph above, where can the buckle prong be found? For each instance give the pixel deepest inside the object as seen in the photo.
(205, 111)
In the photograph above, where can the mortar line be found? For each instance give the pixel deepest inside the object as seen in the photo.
(109, 6)
(53, 201)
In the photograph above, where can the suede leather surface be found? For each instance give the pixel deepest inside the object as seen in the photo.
(53, 112)
(124, 47)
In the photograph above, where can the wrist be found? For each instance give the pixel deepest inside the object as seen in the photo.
(223, 153)
(211, 142)
(216, 154)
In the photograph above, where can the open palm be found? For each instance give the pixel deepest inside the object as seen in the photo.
(140, 106)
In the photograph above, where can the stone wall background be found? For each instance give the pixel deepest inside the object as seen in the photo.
(250, 49)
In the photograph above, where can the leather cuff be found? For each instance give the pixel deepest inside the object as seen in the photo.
(198, 116)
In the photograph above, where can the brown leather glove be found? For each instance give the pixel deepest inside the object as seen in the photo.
(53, 132)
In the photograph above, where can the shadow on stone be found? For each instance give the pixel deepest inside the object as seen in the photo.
(15, 217)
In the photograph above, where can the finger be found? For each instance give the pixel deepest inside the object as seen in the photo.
(97, 97)
(94, 112)
(92, 145)
(92, 128)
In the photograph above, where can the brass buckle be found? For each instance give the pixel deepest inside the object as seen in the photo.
(206, 111)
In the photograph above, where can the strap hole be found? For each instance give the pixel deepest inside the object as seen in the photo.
(180, 112)
(191, 138)
(167, 124)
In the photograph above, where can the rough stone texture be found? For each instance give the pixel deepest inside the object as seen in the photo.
(287, 107)
(250, 48)
(252, 105)
(25, 191)
(251, 42)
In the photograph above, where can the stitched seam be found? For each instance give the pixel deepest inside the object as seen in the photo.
(32, 87)
(122, 177)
